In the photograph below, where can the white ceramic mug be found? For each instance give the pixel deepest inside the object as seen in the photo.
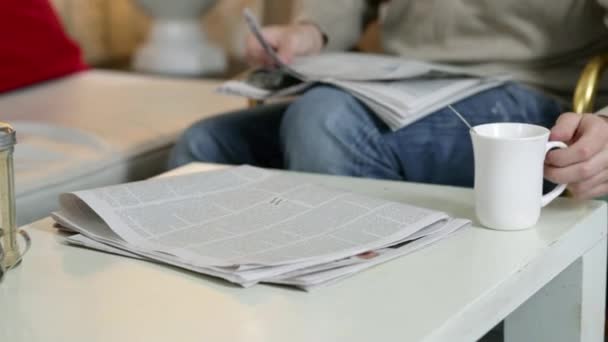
(509, 160)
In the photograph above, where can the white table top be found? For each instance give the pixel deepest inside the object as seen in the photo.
(98, 128)
(457, 288)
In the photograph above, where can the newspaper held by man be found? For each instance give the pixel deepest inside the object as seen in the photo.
(400, 91)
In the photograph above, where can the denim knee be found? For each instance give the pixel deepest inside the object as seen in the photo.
(197, 143)
(311, 128)
(326, 130)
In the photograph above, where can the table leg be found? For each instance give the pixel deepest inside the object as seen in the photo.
(569, 308)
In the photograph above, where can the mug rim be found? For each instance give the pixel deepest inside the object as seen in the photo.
(545, 131)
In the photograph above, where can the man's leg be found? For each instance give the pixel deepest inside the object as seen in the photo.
(249, 136)
(328, 131)
(438, 149)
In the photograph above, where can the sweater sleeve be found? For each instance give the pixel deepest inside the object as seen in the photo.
(339, 20)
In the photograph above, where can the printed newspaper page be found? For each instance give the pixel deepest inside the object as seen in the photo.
(246, 215)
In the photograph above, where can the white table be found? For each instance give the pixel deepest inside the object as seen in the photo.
(97, 128)
(547, 283)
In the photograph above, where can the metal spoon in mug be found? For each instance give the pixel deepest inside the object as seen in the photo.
(461, 118)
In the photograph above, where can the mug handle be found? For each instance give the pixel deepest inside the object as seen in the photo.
(548, 198)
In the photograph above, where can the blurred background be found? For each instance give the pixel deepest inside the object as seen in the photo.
(110, 31)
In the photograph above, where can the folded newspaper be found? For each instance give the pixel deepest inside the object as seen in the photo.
(250, 225)
(398, 90)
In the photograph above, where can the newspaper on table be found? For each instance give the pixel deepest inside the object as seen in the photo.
(399, 91)
(250, 225)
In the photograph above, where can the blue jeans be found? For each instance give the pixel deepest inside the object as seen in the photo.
(329, 131)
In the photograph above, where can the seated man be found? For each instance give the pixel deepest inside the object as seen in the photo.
(326, 130)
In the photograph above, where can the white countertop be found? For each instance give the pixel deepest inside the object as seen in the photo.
(97, 128)
(459, 287)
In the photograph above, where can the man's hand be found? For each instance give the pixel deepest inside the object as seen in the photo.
(584, 164)
(289, 41)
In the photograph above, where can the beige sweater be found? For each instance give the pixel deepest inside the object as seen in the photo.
(544, 43)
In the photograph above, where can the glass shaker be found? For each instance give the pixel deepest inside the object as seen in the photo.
(10, 254)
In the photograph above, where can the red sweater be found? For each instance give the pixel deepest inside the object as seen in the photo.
(33, 45)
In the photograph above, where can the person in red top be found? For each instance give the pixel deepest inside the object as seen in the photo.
(33, 45)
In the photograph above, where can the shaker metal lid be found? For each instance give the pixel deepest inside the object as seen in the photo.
(7, 136)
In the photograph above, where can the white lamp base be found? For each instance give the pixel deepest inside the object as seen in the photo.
(179, 47)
